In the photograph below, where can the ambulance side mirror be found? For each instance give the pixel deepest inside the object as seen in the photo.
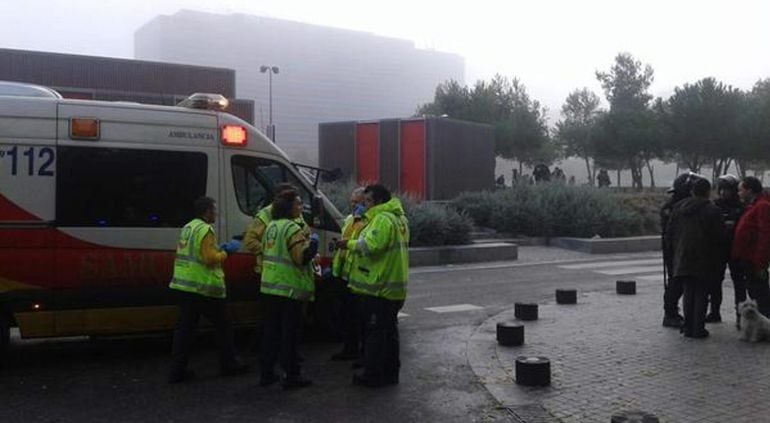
(317, 206)
(317, 209)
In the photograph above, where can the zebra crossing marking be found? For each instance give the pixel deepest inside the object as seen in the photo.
(601, 264)
(631, 270)
(453, 308)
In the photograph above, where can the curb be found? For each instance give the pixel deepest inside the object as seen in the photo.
(632, 244)
(473, 253)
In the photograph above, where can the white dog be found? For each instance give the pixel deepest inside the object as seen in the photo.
(754, 326)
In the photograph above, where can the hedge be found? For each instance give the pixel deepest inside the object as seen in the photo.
(558, 210)
(429, 223)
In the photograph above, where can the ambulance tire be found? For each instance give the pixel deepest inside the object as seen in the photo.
(5, 337)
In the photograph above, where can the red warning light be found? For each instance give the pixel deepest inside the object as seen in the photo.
(234, 135)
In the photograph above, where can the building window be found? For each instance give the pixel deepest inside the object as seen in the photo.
(112, 187)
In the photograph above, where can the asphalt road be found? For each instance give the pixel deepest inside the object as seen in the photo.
(124, 379)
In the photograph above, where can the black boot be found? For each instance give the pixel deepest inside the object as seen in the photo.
(673, 320)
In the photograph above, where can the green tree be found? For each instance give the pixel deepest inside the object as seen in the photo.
(702, 124)
(754, 122)
(451, 98)
(521, 130)
(576, 132)
(630, 123)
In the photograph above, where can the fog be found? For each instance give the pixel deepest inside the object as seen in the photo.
(553, 46)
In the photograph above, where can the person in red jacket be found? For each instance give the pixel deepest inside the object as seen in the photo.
(751, 245)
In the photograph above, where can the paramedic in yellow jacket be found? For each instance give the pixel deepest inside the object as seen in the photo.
(287, 284)
(252, 239)
(351, 313)
(199, 286)
(380, 274)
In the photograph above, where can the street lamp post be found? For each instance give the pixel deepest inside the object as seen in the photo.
(270, 71)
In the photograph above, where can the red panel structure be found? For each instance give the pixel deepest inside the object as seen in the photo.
(368, 152)
(413, 158)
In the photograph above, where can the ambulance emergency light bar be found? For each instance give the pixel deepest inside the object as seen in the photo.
(205, 101)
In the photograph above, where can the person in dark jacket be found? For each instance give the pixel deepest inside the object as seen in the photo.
(672, 287)
(732, 208)
(751, 245)
(695, 234)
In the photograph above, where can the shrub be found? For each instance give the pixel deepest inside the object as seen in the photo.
(429, 223)
(553, 210)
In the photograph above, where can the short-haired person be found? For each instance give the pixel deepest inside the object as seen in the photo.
(351, 314)
(252, 239)
(695, 235)
(287, 284)
(751, 245)
(199, 285)
(380, 276)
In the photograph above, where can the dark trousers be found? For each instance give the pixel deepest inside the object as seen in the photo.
(281, 334)
(738, 275)
(694, 305)
(714, 296)
(352, 318)
(671, 294)
(758, 289)
(191, 307)
(381, 345)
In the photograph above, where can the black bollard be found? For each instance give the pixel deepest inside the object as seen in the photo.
(524, 311)
(566, 296)
(533, 371)
(625, 287)
(634, 416)
(510, 334)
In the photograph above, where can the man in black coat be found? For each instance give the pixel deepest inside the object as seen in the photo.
(672, 287)
(695, 234)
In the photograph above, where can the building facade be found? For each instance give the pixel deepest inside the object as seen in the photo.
(109, 79)
(325, 74)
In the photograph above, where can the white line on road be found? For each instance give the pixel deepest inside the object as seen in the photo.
(454, 308)
(630, 270)
(601, 264)
(654, 278)
(491, 266)
(402, 314)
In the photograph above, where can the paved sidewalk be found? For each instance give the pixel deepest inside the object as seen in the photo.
(609, 353)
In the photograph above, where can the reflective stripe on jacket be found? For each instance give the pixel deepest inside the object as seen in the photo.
(381, 267)
(281, 276)
(190, 273)
(343, 260)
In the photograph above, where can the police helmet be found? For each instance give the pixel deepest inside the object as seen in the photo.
(728, 181)
(683, 183)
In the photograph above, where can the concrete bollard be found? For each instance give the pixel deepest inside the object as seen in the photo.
(634, 416)
(566, 296)
(524, 311)
(510, 334)
(533, 371)
(625, 287)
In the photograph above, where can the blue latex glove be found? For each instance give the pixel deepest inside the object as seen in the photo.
(314, 238)
(359, 210)
(231, 247)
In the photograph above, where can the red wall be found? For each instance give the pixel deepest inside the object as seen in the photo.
(413, 158)
(368, 152)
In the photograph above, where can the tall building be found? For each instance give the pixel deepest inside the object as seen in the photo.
(110, 79)
(325, 74)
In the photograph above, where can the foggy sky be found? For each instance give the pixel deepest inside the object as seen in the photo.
(553, 46)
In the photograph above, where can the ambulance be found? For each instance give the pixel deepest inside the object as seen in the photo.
(93, 195)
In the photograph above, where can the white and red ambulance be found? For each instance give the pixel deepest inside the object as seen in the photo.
(92, 196)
